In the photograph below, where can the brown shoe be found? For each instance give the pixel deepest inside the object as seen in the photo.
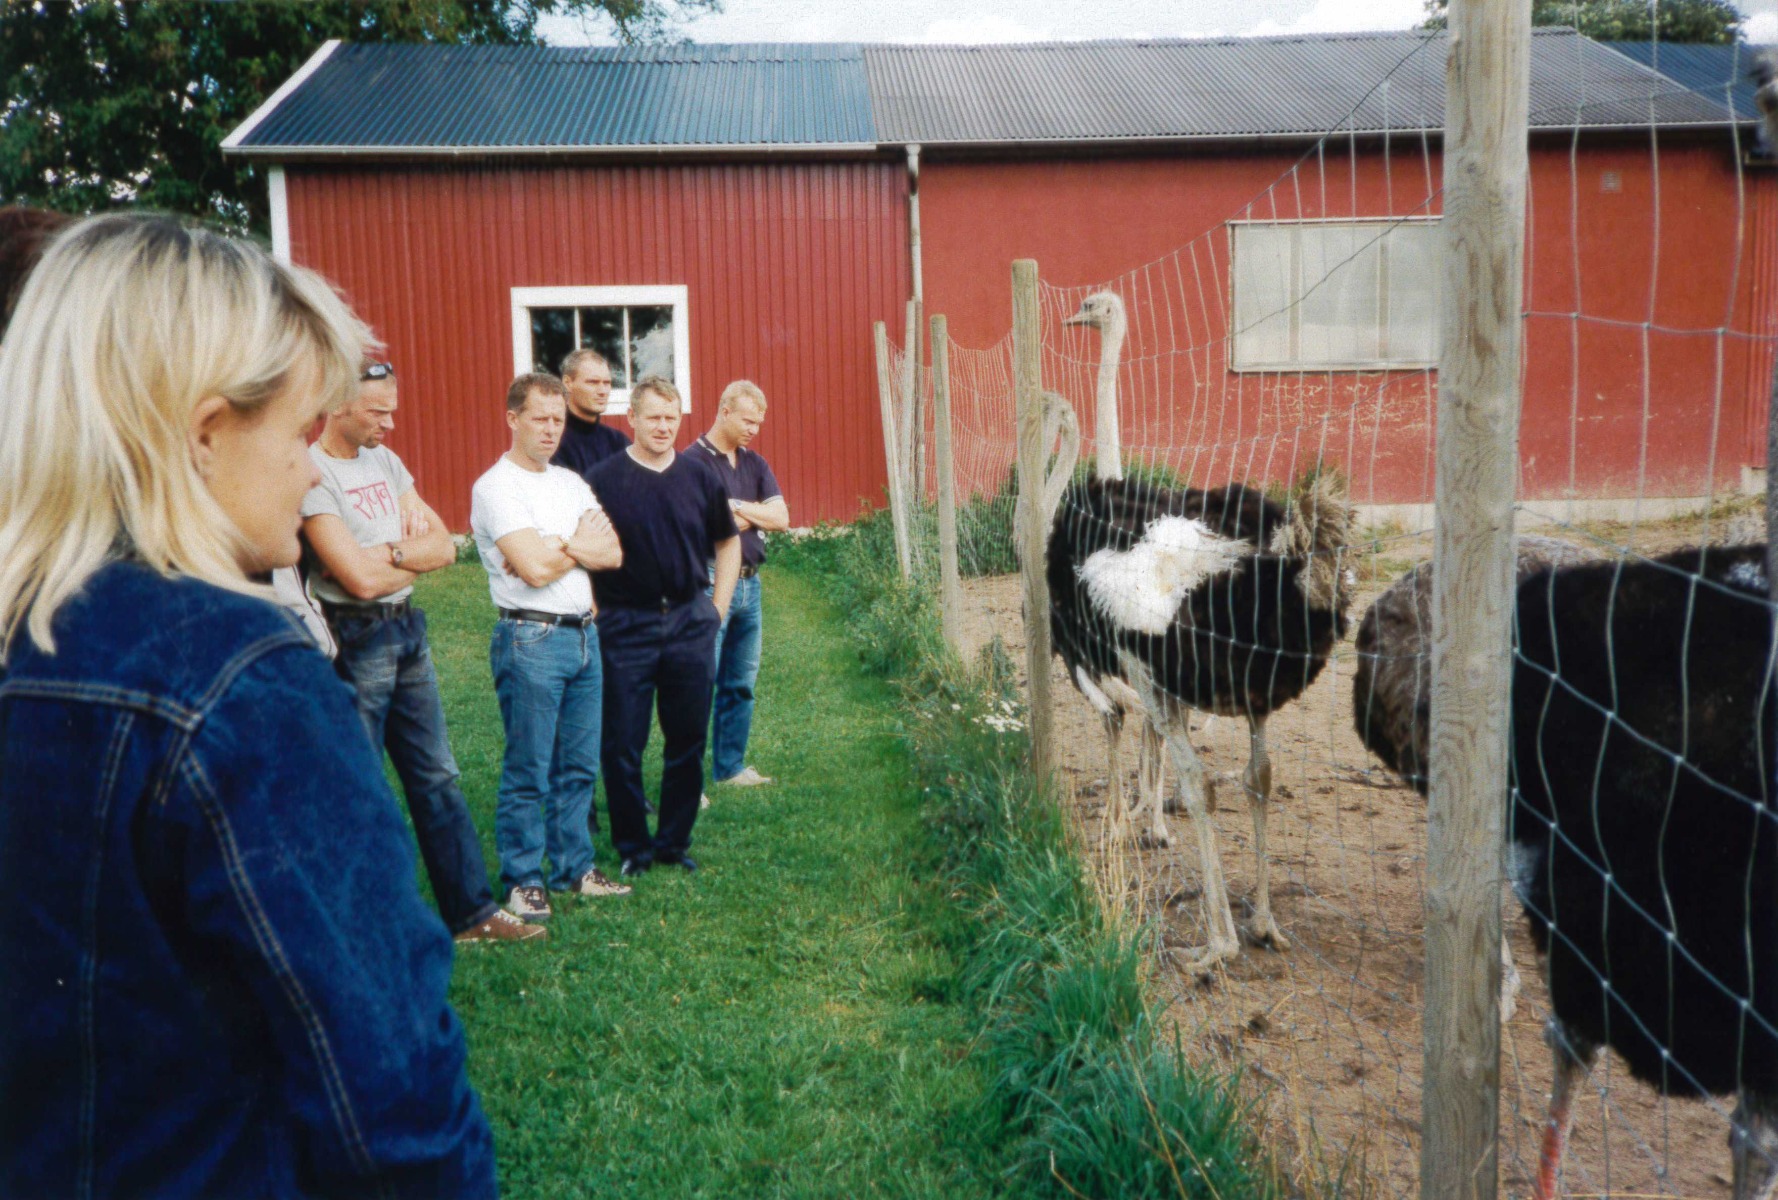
(502, 926)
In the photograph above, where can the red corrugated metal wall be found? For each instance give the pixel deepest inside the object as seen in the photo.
(1659, 385)
(787, 266)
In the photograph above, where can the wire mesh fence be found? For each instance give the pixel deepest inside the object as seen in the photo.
(1239, 494)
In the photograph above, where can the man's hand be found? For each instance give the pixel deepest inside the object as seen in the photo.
(595, 545)
(414, 524)
(741, 521)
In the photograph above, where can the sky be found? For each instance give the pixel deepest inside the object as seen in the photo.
(1047, 20)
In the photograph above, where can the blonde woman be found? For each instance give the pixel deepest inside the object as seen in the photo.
(217, 976)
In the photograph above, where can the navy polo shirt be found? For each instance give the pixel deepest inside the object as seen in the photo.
(668, 523)
(749, 479)
(586, 444)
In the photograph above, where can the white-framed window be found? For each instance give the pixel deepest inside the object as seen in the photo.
(1335, 295)
(640, 331)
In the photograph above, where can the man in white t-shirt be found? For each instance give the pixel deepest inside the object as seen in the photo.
(539, 530)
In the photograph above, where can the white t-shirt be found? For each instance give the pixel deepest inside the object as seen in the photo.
(509, 498)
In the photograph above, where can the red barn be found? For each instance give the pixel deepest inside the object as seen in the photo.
(1267, 207)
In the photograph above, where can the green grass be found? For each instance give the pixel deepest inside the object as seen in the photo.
(776, 1025)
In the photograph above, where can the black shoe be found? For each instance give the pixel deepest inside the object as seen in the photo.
(684, 862)
(635, 866)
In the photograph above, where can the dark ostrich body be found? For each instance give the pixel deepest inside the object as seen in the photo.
(1244, 644)
(1691, 848)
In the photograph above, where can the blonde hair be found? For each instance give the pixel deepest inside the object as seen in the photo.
(655, 385)
(742, 389)
(127, 323)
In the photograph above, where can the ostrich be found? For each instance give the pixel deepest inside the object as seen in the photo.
(1642, 847)
(1110, 695)
(1392, 684)
(1218, 600)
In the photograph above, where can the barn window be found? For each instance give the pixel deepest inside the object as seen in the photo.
(1335, 295)
(640, 331)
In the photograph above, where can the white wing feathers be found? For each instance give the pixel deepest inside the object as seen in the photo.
(1140, 589)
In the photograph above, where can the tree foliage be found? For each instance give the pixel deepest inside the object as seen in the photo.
(1715, 21)
(126, 102)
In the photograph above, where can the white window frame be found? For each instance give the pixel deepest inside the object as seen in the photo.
(678, 296)
(1240, 363)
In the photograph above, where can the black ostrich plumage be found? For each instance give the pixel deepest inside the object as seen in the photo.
(1645, 844)
(1243, 643)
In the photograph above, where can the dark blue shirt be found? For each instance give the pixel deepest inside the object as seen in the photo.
(586, 444)
(750, 479)
(668, 523)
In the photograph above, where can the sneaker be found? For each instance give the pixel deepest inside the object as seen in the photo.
(703, 801)
(746, 777)
(502, 926)
(635, 866)
(684, 862)
(594, 883)
(529, 903)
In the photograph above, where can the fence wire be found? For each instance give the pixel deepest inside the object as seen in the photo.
(1279, 364)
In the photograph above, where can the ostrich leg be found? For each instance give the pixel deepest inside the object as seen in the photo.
(1575, 1057)
(1173, 720)
(1150, 765)
(1116, 808)
(1264, 929)
(1753, 1137)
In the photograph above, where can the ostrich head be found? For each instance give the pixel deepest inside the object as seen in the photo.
(1104, 311)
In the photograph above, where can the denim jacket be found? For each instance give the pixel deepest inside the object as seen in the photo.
(217, 976)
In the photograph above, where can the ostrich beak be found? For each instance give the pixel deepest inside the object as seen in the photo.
(1080, 318)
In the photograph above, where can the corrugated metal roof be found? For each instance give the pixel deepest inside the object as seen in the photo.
(518, 97)
(1719, 73)
(1240, 87)
(433, 99)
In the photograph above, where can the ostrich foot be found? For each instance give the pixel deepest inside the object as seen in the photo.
(1264, 931)
(1150, 840)
(1203, 960)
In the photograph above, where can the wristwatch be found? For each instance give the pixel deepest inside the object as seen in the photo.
(395, 555)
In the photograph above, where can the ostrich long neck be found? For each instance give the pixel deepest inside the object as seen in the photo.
(1108, 463)
(1060, 415)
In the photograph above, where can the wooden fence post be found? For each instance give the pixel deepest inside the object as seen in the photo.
(950, 586)
(1027, 367)
(912, 496)
(886, 393)
(1486, 98)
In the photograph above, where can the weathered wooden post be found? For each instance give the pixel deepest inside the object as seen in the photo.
(950, 585)
(1027, 352)
(911, 494)
(897, 505)
(1486, 98)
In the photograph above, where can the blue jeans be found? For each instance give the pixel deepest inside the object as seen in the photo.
(656, 658)
(737, 670)
(548, 680)
(389, 666)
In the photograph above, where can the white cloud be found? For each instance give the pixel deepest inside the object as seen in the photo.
(1347, 16)
(1762, 28)
(982, 29)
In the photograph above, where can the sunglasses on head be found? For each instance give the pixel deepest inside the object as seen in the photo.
(376, 370)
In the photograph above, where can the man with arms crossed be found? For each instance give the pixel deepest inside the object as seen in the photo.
(373, 536)
(588, 440)
(759, 508)
(539, 530)
(657, 628)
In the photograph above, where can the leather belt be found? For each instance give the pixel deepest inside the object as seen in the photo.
(748, 572)
(366, 612)
(576, 620)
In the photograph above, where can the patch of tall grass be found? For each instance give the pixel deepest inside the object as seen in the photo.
(1096, 1101)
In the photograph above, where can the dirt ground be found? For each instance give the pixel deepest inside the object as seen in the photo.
(1328, 1031)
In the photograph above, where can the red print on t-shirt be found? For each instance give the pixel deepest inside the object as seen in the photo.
(372, 500)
